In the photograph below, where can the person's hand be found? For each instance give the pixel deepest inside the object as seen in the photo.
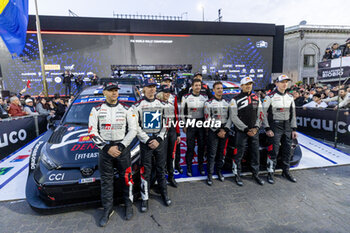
(178, 140)
(294, 134)
(23, 90)
(336, 107)
(185, 130)
(153, 144)
(221, 134)
(114, 152)
(252, 132)
(270, 133)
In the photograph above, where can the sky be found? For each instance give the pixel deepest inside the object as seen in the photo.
(279, 12)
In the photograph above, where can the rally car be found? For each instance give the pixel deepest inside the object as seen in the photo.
(63, 166)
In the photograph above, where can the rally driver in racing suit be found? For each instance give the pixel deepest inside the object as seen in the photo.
(217, 109)
(151, 131)
(280, 126)
(192, 107)
(112, 127)
(247, 115)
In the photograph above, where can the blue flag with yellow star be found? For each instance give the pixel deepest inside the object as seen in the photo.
(13, 24)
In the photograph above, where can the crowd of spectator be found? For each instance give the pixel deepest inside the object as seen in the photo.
(337, 51)
(321, 96)
(18, 105)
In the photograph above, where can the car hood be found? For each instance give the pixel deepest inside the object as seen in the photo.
(71, 146)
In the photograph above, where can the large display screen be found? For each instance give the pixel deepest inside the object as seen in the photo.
(88, 53)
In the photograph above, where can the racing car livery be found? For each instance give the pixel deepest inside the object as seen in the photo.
(63, 166)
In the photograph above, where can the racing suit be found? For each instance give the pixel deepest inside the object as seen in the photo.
(216, 110)
(173, 133)
(246, 113)
(281, 119)
(150, 117)
(110, 125)
(192, 106)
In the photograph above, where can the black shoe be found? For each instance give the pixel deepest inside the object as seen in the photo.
(129, 211)
(238, 180)
(201, 170)
(172, 182)
(270, 178)
(166, 200)
(189, 172)
(105, 217)
(179, 168)
(258, 179)
(210, 180)
(144, 206)
(220, 176)
(289, 176)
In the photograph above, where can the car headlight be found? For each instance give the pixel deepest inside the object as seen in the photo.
(47, 161)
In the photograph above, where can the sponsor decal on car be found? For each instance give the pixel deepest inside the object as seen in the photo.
(4, 170)
(84, 139)
(84, 146)
(19, 158)
(86, 156)
(34, 155)
(56, 177)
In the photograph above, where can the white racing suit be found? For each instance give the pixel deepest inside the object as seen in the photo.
(151, 118)
(280, 117)
(111, 125)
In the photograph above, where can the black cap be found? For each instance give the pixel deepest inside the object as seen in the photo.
(110, 86)
(149, 82)
(197, 73)
(165, 88)
(317, 95)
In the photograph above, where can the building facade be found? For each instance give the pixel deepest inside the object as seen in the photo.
(304, 47)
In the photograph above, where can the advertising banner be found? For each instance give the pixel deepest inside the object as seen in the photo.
(320, 123)
(17, 132)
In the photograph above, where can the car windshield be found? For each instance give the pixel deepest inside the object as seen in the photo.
(129, 81)
(81, 108)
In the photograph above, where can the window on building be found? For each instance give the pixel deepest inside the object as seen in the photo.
(305, 81)
(312, 80)
(309, 60)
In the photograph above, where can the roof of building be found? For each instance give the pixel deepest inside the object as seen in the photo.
(317, 28)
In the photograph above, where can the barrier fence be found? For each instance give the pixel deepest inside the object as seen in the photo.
(18, 131)
(321, 123)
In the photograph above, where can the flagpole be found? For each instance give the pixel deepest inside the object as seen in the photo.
(41, 54)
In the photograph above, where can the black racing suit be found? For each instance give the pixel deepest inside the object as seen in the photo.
(216, 110)
(151, 115)
(246, 113)
(281, 119)
(173, 133)
(110, 125)
(192, 109)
